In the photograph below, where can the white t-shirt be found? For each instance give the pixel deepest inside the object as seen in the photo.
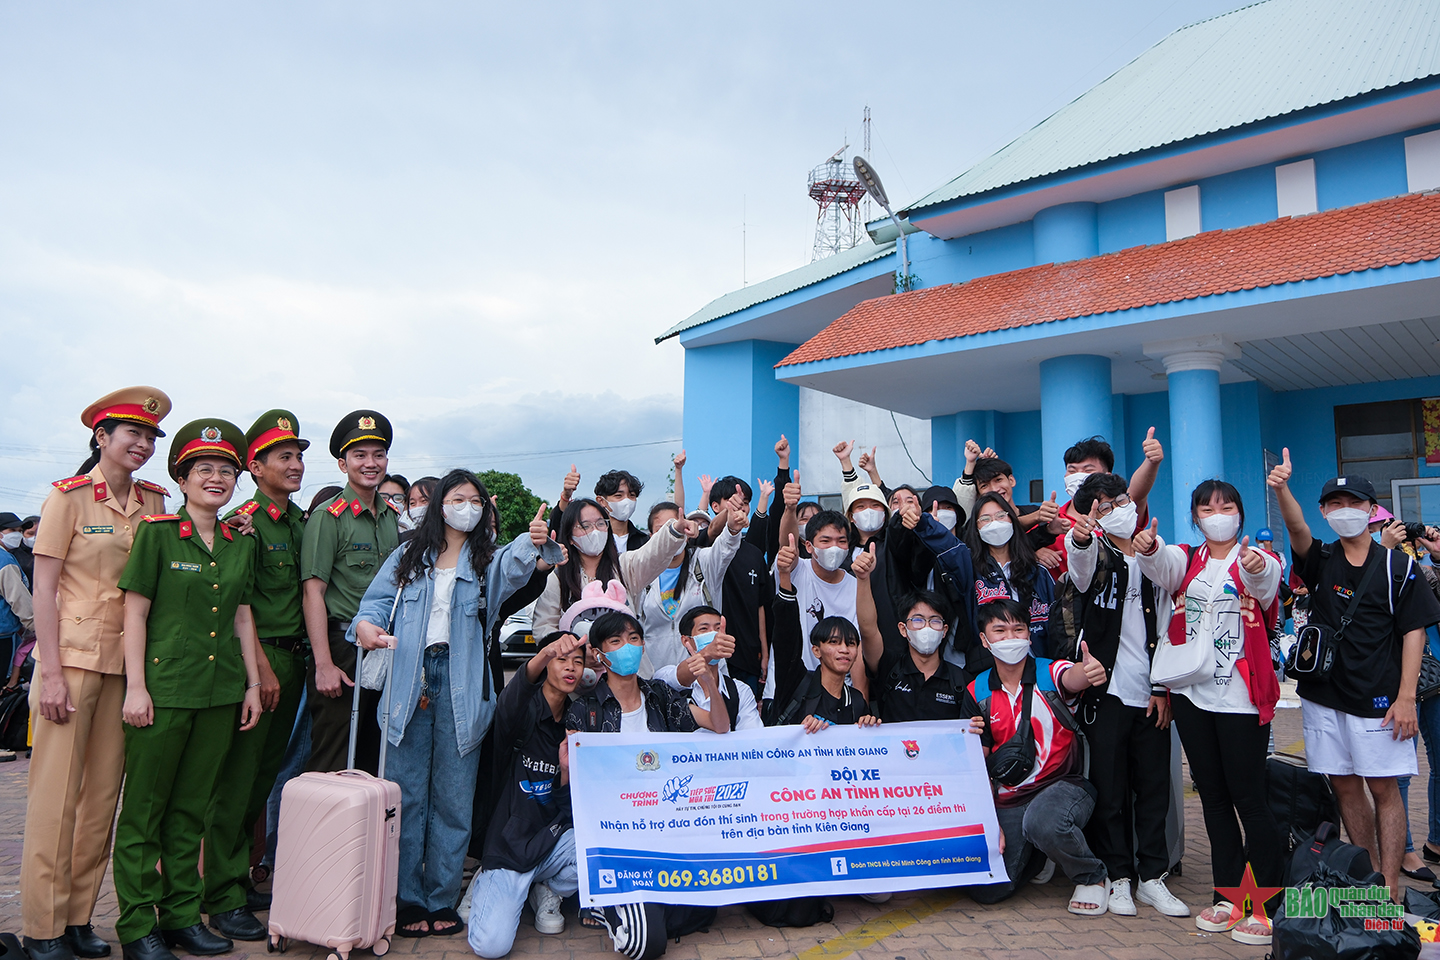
(1130, 681)
(1212, 598)
(748, 716)
(818, 600)
(438, 630)
(634, 721)
(622, 543)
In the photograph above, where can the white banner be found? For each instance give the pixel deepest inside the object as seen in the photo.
(705, 819)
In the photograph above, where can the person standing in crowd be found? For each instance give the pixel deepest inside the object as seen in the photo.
(25, 553)
(346, 541)
(585, 532)
(1358, 718)
(709, 647)
(1225, 594)
(395, 490)
(275, 453)
(1126, 718)
(749, 588)
(76, 694)
(440, 588)
(1042, 801)
(417, 498)
(190, 659)
(17, 612)
(622, 702)
(914, 682)
(693, 579)
(530, 846)
(618, 493)
(12, 540)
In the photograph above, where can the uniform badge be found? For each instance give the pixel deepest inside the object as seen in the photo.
(225, 531)
(284, 423)
(101, 492)
(249, 507)
(151, 405)
(185, 567)
(367, 423)
(186, 529)
(356, 507)
(210, 434)
(647, 760)
(338, 507)
(274, 512)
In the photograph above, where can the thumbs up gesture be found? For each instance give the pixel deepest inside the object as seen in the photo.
(1251, 560)
(1094, 669)
(572, 482)
(1154, 453)
(1048, 511)
(787, 558)
(1146, 540)
(910, 514)
(1085, 526)
(539, 528)
(864, 564)
(1280, 473)
(791, 493)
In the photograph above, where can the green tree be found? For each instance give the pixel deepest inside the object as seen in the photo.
(516, 503)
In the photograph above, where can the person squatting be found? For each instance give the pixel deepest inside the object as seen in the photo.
(196, 660)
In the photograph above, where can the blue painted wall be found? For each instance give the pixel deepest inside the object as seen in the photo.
(735, 408)
(1066, 232)
(1360, 172)
(1238, 199)
(1015, 436)
(1143, 411)
(1132, 221)
(939, 262)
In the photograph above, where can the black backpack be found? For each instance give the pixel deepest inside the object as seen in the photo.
(794, 912)
(807, 698)
(15, 719)
(1300, 800)
(1326, 850)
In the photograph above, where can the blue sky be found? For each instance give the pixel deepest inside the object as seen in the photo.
(473, 217)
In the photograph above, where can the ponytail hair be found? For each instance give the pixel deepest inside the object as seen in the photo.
(108, 425)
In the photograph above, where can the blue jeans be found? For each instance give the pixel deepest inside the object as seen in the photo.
(437, 793)
(1430, 733)
(1053, 822)
(498, 896)
(297, 755)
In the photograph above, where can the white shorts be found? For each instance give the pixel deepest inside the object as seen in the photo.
(1341, 744)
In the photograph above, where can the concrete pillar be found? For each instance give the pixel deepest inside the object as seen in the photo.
(735, 409)
(1067, 231)
(947, 441)
(1197, 445)
(1075, 403)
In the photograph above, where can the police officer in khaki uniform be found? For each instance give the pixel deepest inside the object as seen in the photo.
(346, 541)
(192, 677)
(275, 457)
(78, 758)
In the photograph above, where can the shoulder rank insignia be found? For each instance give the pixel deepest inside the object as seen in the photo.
(225, 531)
(248, 507)
(71, 483)
(101, 492)
(338, 507)
(153, 487)
(274, 511)
(158, 517)
(356, 507)
(186, 529)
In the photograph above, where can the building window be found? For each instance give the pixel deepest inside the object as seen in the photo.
(1295, 188)
(1381, 442)
(1182, 213)
(1422, 161)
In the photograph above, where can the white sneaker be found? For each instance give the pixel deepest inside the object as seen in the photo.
(1046, 872)
(875, 897)
(1121, 903)
(1156, 894)
(546, 904)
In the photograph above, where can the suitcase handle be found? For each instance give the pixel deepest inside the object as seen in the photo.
(355, 698)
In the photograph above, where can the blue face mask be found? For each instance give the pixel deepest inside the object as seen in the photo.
(703, 640)
(626, 660)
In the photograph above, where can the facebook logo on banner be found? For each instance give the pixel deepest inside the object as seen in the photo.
(838, 867)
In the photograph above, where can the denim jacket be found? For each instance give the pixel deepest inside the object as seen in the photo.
(473, 698)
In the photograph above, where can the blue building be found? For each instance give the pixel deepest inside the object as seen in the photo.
(1232, 239)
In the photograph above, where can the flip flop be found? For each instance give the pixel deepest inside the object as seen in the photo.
(408, 916)
(1226, 909)
(447, 914)
(1095, 893)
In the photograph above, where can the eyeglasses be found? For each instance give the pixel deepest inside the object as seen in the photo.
(205, 472)
(988, 519)
(840, 642)
(1105, 507)
(393, 498)
(920, 623)
(585, 526)
(476, 501)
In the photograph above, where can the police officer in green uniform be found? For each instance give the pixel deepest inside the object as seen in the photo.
(191, 678)
(346, 541)
(275, 457)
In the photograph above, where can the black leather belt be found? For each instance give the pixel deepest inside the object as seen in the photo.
(293, 644)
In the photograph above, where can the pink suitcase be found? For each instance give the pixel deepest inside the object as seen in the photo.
(337, 858)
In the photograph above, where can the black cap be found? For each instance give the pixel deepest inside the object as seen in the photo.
(8, 521)
(939, 494)
(30, 521)
(1356, 486)
(359, 426)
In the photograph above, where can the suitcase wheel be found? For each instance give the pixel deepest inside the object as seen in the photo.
(381, 947)
(276, 944)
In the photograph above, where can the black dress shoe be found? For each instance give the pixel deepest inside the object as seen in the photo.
(257, 901)
(56, 949)
(85, 943)
(197, 940)
(238, 924)
(148, 947)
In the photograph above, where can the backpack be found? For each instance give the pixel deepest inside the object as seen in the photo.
(807, 698)
(1300, 800)
(794, 912)
(15, 719)
(1326, 851)
(731, 695)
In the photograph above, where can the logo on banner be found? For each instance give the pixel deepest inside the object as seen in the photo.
(647, 760)
(838, 867)
(607, 878)
(912, 748)
(678, 790)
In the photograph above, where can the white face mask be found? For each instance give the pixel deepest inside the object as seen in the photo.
(926, 640)
(997, 532)
(946, 518)
(622, 510)
(870, 519)
(592, 544)
(1012, 650)
(1220, 527)
(29, 542)
(462, 516)
(830, 557)
(1348, 521)
(406, 522)
(1074, 481)
(11, 539)
(1120, 522)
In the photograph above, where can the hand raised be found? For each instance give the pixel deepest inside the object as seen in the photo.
(572, 482)
(1154, 452)
(1145, 541)
(1094, 669)
(864, 564)
(788, 556)
(910, 514)
(1251, 560)
(679, 460)
(1280, 473)
(843, 449)
(1048, 511)
(539, 528)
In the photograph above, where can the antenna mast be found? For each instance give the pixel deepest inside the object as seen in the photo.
(835, 188)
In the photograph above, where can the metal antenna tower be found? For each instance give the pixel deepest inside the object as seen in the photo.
(837, 191)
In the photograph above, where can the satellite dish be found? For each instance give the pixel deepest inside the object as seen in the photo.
(871, 179)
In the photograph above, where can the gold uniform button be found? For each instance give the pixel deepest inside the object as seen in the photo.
(77, 619)
(214, 609)
(215, 586)
(212, 633)
(212, 656)
(212, 563)
(157, 659)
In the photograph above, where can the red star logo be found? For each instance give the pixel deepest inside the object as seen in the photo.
(1251, 891)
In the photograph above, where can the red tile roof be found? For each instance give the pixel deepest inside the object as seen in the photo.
(1385, 233)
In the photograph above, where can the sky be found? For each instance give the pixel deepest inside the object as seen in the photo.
(473, 217)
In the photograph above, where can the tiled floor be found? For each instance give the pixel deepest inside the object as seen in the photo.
(935, 925)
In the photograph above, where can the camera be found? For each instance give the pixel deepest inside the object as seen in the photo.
(1415, 531)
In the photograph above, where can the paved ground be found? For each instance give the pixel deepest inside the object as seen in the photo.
(937, 925)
